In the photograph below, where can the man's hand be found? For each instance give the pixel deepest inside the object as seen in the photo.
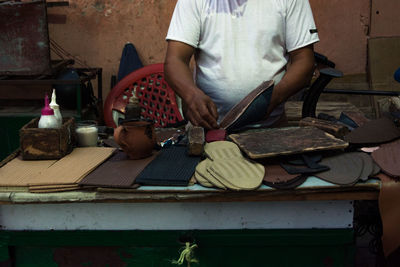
(199, 109)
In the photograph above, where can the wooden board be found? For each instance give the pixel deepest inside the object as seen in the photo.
(285, 141)
(293, 109)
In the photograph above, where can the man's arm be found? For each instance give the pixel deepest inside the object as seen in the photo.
(200, 109)
(296, 77)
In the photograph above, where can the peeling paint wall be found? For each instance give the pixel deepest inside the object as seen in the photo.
(97, 30)
(343, 28)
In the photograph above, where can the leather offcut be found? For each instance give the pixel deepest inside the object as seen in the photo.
(374, 132)
(388, 158)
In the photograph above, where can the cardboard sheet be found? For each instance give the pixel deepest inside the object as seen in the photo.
(73, 167)
(66, 171)
(20, 172)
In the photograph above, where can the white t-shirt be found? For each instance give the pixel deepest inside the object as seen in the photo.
(241, 43)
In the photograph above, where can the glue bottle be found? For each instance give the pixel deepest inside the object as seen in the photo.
(47, 119)
(56, 108)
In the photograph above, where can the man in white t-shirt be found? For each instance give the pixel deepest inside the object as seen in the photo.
(237, 45)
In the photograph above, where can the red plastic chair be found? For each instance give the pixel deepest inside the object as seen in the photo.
(157, 100)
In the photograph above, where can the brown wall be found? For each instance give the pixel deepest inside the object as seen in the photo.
(96, 30)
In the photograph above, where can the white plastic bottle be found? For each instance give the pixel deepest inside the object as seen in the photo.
(47, 119)
(56, 108)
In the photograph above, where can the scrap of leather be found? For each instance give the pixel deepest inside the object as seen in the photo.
(277, 174)
(118, 171)
(358, 118)
(250, 108)
(389, 209)
(374, 132)
(345, 168)
(304, 169)
(388, 158)
(215, 135)
(368, 166)
(276, 177)
(291, 184)
(237, 174)
(266, 143)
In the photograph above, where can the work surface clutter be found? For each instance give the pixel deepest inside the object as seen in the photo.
(276, 158)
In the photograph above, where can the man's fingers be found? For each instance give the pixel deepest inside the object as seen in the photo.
(196, 119)
(213, 109)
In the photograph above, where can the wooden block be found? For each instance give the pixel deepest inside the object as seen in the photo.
(196, 140)
(336, 130)
(266, 143)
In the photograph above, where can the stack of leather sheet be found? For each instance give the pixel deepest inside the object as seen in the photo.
(119, 171)
(226, 168)
(53, 175)
(384, 134)
(172, 166)
(388, 158)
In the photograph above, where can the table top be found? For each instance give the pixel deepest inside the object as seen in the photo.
(313, 189)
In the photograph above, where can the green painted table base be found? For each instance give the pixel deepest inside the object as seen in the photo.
(158, 248)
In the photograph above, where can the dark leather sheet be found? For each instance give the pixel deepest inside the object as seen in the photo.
(388, 158)
(374, 132)
(285, 141)
(249, 109)
(171, 167)
(118, 171)
(345, 169)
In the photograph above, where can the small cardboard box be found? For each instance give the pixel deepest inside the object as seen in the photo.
(39, 143)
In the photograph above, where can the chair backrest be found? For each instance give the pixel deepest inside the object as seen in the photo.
(157, 100)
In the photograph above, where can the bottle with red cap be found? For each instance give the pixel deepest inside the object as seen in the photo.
(47, 119)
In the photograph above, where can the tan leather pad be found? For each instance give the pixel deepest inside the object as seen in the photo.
(205, 178)
(238, 174)
(222, 150)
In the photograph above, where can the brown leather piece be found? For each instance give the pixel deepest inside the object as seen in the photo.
(276, 177)
(388, 158)
(290, 184)
(241, 107)
(368, 166)
(118, 171)
(374, 132)
(345, 169)
(277, 174)
(389, 208)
